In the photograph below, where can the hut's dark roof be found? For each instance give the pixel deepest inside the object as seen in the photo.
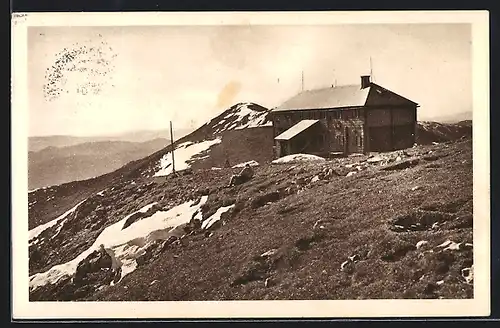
(345, 96)
(340, 96)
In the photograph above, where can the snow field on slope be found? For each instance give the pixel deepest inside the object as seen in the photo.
(54, 274)
(131, 242)
(215, 217)
(183, 154)
(35, 232)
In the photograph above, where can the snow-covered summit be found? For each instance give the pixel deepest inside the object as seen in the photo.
(240, 116)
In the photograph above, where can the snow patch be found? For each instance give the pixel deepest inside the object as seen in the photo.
(35, 232)
(255, 119)
(183, 155)
(251, 163)
(215, 217)
(297, 158)
(128, 243)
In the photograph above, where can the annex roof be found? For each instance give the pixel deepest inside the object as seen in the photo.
(296, 129)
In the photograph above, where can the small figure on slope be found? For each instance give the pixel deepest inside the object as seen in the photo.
(245, 175)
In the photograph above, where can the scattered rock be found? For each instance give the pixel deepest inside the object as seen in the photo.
(263, 199)
(270, 252)
(468, 274)
(315, 179)
(450, 245)
(466, 246)
(316, 224)
(402, 165)
(346, 266)
(418, 220)
(421, 244)
(305, 243)
(415, 188)
(430, 288)
(425, 252)
(350, 173)
(328, 173)
(268, 282)
(375, 159)
(440, 282)
(354, 258)
(444, 244)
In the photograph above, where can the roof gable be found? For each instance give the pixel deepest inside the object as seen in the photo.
(379, 96)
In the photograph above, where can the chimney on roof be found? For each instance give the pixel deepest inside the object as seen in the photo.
(365, 81)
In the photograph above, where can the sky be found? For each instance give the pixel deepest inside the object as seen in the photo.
(141, 77)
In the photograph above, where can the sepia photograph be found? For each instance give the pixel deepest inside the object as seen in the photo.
(302, 161)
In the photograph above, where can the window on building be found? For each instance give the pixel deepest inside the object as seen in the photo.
(359, 141)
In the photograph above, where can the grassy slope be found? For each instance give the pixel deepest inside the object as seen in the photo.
(355, 213)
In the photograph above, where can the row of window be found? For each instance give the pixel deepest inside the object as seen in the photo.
(359, 140)
(323, 114)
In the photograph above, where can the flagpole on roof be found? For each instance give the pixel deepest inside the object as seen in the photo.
(302, 81)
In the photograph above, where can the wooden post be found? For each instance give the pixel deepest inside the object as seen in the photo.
(172, 147)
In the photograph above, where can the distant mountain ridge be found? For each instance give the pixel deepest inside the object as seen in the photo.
(56, 165)
(37, 143)
(452, 118)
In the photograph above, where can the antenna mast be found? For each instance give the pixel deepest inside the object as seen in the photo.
(302, 81)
